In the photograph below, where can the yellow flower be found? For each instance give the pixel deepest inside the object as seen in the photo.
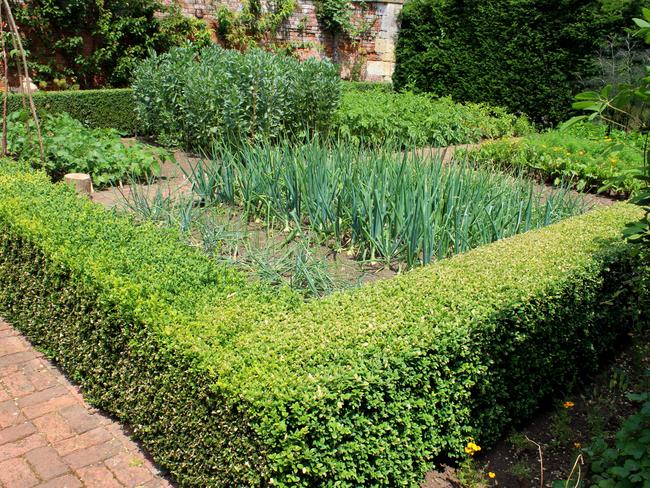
(568, 404)
(492, 475)
(471, 448)
(577, 445)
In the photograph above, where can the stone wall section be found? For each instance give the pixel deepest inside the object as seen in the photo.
(371, 58)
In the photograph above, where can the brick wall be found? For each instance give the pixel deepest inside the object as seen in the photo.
(371, 58)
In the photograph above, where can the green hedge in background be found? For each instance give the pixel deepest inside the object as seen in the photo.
(232, 384)
(110, 108)
(525, 55)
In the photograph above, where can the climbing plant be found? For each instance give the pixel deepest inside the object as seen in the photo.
(95, 43)
(253, 25)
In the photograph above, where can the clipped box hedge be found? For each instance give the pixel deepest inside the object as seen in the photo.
(229, 383)
(109, 108)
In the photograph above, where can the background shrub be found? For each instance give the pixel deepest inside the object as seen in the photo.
(228, 384)
(375, 116)
(194, 97)
(70, 147)
(109, 108)
(525, 55)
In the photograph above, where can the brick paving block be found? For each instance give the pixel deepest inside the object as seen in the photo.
(130, 469)
(9, 414)
(67, 481)
(158, 483)
(22, 446)
(46, 462)
(51, 438)
(98, 477)
(43, 396)
(122, 437)
(18, 384)
(83, 441)
(38, 363)
(16, 473)
(12, 345)
(53, 405)
(54, 426)
(92, 455)
(79, 419)
(7, 332)
(43, 378)
(16, 432)
(11, 361)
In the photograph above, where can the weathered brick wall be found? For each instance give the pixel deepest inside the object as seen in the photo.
(371, 58)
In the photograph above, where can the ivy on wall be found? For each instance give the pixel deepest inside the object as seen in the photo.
(253, 25)
(96, 43)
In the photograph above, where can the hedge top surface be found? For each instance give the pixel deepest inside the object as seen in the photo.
(403, 315)
(409, 313)
(143, 267)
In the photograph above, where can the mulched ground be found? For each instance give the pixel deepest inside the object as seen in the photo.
(599, 407)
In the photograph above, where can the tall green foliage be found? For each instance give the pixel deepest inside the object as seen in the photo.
(194, 97)
(525, 55)
(97, 43)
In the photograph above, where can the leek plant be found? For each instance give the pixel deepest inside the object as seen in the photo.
(385, 204)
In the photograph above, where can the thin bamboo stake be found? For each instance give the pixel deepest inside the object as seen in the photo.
(5, 92)
(25, 86)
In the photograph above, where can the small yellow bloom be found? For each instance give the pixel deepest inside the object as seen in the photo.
(492, 475)
(577, 445)
(471, 448)
(568, 404)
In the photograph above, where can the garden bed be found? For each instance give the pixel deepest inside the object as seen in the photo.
(228, 382)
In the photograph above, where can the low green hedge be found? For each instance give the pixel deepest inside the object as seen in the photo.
(110, 108)
(232, 384)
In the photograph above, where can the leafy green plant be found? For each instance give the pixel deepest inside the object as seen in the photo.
(385, 204)
(252, 25)
(112, 34)
(70, 147)
(617, 106)
(375, 115)
(583, 157)
(195, 97)
(627, 463)
(230, 383)
(521, 470)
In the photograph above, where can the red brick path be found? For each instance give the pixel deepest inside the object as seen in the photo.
(49, 437)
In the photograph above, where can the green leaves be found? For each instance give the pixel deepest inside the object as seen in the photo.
(376, 116)
(195, 98)
(232, 384)
(70, 147)
(627, 464)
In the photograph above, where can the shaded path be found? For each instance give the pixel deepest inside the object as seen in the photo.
(49, 437)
